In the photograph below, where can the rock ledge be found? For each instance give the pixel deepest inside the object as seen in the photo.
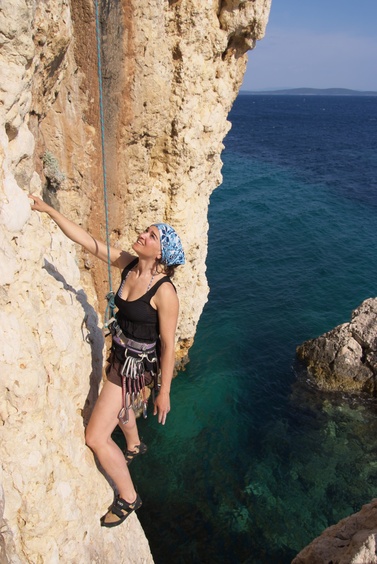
(345, 358)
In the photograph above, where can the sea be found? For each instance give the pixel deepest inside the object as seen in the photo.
(254, 462)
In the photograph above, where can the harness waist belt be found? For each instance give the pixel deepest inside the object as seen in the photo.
(120, 338)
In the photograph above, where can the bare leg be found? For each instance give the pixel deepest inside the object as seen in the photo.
(98, 437)
(130, 431)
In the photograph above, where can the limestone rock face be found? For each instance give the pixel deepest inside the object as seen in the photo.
(352, 541)
(171, 70)
(345, 358)
(166, 118)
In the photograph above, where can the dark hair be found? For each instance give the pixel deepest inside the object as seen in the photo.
(170, 270)
(167, 270)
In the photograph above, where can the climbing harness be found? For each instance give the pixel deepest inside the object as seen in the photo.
(139, 358)
(133, 381)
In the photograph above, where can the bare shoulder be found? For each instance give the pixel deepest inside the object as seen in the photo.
(166, 294)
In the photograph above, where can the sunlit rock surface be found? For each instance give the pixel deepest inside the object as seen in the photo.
(171, 70)
(345, 358)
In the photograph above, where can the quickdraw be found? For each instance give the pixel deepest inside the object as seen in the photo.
(133, 381)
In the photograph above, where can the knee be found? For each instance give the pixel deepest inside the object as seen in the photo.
(92, 440)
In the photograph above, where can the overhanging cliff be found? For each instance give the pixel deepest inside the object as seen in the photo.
(171, 71)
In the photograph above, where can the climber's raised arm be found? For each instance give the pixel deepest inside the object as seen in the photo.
(78, 235)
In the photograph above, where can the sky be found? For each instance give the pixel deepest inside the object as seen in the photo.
(316, 44)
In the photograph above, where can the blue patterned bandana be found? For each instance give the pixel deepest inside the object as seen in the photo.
(171, 247)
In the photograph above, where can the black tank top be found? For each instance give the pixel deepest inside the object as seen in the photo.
(137, 318)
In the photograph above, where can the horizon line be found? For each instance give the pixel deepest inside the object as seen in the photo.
(275, 89)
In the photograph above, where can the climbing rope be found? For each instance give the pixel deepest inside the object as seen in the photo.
(109, 313)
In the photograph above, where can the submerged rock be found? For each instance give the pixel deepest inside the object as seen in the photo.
(352, 541)
(345, 358)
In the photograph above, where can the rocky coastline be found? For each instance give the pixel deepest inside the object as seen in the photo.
(344, 360)
(351, 541)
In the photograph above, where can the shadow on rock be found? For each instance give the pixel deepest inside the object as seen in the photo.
(90, 333)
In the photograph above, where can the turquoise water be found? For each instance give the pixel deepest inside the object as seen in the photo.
(253, 463)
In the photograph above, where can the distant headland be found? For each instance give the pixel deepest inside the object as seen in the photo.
(311, 92)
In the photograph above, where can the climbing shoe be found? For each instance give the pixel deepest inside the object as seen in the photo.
(129, 455)
(119, 511)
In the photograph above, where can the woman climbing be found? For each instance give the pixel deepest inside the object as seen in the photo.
(147, 316)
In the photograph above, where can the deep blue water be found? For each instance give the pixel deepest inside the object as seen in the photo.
(253, 463)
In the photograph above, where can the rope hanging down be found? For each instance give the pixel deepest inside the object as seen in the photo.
(110, 296)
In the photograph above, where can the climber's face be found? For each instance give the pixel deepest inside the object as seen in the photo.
(148, 243)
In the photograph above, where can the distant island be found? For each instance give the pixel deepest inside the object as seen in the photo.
(311, 92)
